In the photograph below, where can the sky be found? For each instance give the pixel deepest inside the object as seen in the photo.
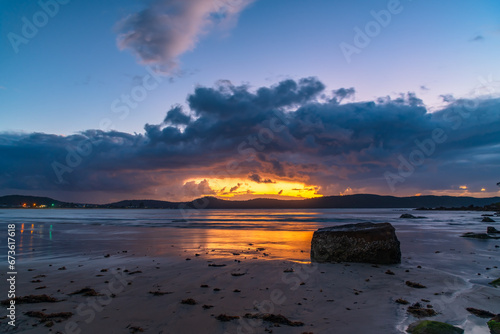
(177, 99)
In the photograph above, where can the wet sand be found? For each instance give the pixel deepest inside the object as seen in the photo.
(143, 287)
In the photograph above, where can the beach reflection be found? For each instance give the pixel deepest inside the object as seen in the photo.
(31, 237)
(249, 244)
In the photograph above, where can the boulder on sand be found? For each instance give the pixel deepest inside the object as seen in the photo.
(363, 242)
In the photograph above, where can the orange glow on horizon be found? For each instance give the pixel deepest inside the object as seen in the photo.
(240, 187)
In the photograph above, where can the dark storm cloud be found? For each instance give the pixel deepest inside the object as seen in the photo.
(257, 178)
(283, 132)
(236, 187)
(176, 116)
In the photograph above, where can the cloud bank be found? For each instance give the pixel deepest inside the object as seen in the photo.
(166, 29)
(286, 132)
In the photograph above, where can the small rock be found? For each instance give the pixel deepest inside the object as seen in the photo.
(415, 285)
(491, 229)
(189, 301)
(478, 236)
(402, 301)
(480, 313)
(225, 317)
(420, 312)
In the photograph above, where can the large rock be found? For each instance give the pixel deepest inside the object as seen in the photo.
(364, 242)
(433, 327)
(487, 220)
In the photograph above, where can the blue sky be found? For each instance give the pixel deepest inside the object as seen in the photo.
(71, 76)
(65, 79)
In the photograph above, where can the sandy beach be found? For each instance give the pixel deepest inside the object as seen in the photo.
(185, 287)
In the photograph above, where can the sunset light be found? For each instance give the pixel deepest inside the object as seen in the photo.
(234, 187)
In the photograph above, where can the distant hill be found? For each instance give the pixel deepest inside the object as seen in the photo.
(350, 201)
(27, 201)
(147, 203)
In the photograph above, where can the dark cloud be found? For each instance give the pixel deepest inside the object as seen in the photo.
(166, 29)
(258, 179)
(283, 132)
(236, 187)
(176, 116)
(343, 93)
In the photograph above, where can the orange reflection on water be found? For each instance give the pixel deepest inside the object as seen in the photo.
(223, 243)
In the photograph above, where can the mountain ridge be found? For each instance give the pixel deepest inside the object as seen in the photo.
(356, 201)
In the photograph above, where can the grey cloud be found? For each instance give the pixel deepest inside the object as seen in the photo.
(166, 29)
(343, 93)
(236, 187)
(176, 116)
(257, 178)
